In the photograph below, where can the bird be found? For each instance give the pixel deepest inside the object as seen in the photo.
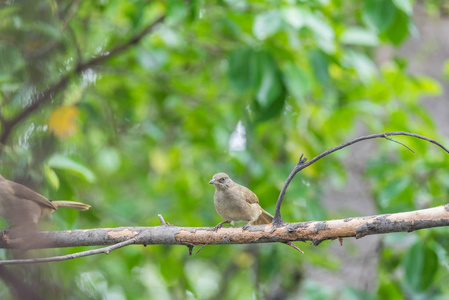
(235, 203)
(22, 207)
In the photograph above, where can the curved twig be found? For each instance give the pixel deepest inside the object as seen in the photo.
(277, 221)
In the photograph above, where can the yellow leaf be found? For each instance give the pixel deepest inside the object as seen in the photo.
(159, 161)
(63, 121)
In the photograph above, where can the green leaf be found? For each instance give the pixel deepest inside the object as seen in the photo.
(322, 31)
(59, 161)
(313, 290)
(392, 190)
(241, 68)
(10, 60)
(297, 82)
(266, 113)
(446, 70)
(176, 10)
(51, 177)
(320, 66)
(363, 65)
(44, 28)
(428, 86)
(399, 30)
(153, 59)
(269, 87)
(8, 11)
(379, 14)
(359, 36)
(295, 16)
(388, 289)
(108, 160)
(351, 293)
(228, 27)
(195, 10)
(404, 5)
(267, 24)
(420, 264)
(315, 210)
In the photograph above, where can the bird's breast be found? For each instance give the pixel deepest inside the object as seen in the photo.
(232, 207)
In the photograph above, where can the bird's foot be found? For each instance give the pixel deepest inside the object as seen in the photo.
(246, 226)
(219, 225)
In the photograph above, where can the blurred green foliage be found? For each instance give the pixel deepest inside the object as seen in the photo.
(157, 120)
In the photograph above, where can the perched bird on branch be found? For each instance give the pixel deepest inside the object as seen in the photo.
(23, 207)
(235, 202)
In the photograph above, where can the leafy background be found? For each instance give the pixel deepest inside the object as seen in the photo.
(242, 87)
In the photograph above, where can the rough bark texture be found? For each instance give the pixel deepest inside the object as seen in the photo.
(314, 231)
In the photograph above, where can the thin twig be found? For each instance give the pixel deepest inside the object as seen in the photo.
(53, 43)
(70, 13)
(201, 248)
(105, 250)
(390, 139)
(277, 221)
(40, 98)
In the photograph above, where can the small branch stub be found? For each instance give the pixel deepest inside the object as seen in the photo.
(161, 218)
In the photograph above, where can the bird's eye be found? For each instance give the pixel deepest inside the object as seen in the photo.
(222, 179)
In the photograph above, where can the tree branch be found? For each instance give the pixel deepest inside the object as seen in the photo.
(42, 97)
(314, 231)
(277, 221)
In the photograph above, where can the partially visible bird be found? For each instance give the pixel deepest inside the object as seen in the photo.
(234, 202)
(23, 207)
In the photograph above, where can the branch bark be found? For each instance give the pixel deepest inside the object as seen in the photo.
(314, 231)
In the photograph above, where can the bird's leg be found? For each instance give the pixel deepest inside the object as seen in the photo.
(219, 225)
(246, 226)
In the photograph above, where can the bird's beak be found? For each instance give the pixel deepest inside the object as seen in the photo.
(212, 181)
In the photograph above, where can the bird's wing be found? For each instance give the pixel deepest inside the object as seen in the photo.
(250, 197)
(23, 192)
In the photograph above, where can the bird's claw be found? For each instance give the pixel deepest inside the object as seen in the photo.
(246, 226)
(219, 225)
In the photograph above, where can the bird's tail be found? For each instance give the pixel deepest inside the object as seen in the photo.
(70, 204)
(264, 218)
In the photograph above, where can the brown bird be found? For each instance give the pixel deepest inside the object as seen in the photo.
(23, 207)
(234, 202)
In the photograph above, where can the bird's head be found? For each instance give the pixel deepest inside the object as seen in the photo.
(221, 181)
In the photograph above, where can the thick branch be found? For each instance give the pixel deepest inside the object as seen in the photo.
(302, 164)
(314, 231)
